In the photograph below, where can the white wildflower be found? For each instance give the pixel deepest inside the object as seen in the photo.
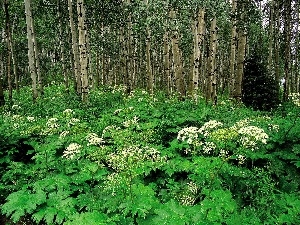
(117, 111)
(208, 147)
(208, 126)
(73, 121)
(64, 134)
(68, 112)
(241, 159)
(251, 135)
(15, 107)
(16, 117)
(93, 139)
(71, 151)
(192, 187)
(189, 134)
(30, 118)
(51, 123)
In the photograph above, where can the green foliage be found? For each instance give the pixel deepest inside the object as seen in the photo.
(147, 159)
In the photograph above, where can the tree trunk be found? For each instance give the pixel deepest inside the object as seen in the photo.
(75, 48)
(242, 39)
(9, 48)
(37, 61)
(287, 52)
(2, 99)
(233, 48)
(61, 44)
(31, 57)
(271, 36)
(177, 60)
(211, 81)
(82, 29)
(277, 47)
(199, 29)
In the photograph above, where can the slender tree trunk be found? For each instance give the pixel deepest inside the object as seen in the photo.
(242, 39)
(61, 44)
(297, 55)
(2, 99)
(199, 29)
(287, 33)
(277, 47)
(167, 61)
(179, 80)
(75, 48)
(31, 57)
(14, 61)
(233, 48)
(211, 81)
(271, 35)
(83, 32)
(9, 48)
(37, 61)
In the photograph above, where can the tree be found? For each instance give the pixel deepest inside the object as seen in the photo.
(84, 55)
(31, 56)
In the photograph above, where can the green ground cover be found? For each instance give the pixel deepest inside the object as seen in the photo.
(147, 159)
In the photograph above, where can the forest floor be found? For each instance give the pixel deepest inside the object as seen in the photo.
(146, 159)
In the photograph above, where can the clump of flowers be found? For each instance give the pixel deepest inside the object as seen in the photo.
(68, 112)
(64, 134)
(295, 98)
(52, 123)
(133, 121)
(188, 134)
(73, 121)
(189, 195)
(94, 139)
(209, 126)
(133, 156)
(71, 151)
(251, 135)
(30, 118)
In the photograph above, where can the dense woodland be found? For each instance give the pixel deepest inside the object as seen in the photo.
(149, 112)
(182, 47)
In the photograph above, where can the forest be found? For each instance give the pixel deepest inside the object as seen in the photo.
(149, 112)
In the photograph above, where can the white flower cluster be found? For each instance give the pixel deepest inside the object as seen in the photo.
(189, 196)
(192, 187)
(15, 107)
(224, 154)
(117, 111)
(208, 147)
(68, 112)
(64, 134)
(133, 156)
(187, 200)
(295, 98)
(16, 118)
(133, 121)
(251, 135)
(30, 118)
(208, 126)
(52, 123)
(93, 139)
(241, 159)
(71, 151)
(273, 127)
(188, 134)
(109, 129)
(73, 121)
(241, 123)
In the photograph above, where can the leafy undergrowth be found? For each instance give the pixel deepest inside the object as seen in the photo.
(144, 159)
